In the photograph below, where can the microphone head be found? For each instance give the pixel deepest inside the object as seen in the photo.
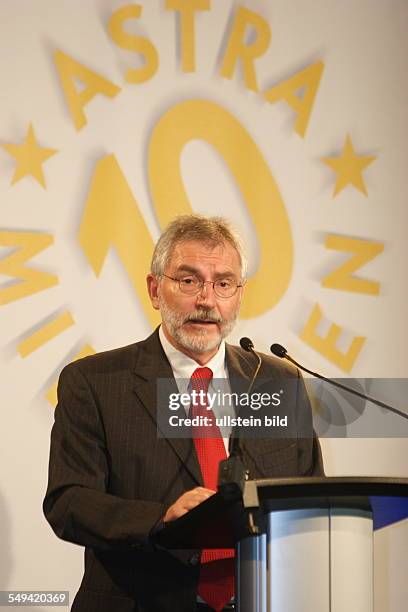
(246, 344)
(279, 350)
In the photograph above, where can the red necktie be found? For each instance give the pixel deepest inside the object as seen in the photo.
(216, 583)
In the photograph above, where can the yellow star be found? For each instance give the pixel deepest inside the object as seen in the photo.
(349, 168)
(30, 157)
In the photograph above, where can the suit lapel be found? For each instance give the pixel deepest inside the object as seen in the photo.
(241, 368)
(152, 365)
(239, 364)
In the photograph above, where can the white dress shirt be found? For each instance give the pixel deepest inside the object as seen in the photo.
(183, 368)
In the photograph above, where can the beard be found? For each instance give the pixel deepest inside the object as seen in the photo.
(199, 341)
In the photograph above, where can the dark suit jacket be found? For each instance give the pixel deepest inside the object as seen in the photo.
(111, 478)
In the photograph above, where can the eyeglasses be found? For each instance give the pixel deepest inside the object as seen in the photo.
(192, 285)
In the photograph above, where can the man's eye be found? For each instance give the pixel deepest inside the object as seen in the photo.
(225, 283)
(188, 280)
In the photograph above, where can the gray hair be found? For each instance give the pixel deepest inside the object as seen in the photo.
(210, 230)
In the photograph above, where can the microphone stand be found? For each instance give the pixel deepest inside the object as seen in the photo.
(279, 351)
(233, 477)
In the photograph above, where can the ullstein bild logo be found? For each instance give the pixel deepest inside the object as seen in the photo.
(204, 423)
(111, 214)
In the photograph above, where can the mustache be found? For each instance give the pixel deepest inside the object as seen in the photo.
(200, 314)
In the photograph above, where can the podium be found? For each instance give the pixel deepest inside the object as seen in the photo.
(302, 544)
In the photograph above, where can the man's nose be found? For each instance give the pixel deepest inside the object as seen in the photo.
(206, 294)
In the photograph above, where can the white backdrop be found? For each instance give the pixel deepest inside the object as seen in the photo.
(138, 112)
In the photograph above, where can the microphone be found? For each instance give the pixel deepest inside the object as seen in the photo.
(232, 474)
(279, 351)
(248, 345)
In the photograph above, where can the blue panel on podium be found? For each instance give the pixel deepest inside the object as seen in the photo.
(388, 510)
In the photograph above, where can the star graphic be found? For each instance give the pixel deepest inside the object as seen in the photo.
(349, 168)
(29, 156)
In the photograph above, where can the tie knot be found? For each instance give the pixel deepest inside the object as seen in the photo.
(201, 378)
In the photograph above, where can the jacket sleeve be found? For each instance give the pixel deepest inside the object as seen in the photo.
(77, 504)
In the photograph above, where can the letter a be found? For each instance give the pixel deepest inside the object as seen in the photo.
(299, 92)
(69, 70)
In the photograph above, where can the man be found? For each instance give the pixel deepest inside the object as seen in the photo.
(113, 481)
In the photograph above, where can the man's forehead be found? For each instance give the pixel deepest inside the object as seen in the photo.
(204, 251)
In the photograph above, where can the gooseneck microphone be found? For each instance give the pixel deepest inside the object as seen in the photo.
(231, 473)
(248, 345)
(279, 351)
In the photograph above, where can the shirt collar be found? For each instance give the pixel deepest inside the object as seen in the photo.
(183, 366)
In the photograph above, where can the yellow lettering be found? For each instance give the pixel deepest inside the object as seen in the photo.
(112, 219)
(299, 92)
(238, 49)
(131, 42)
(201, 119)
(187, 8)
(342, 278)
(46, 332)
(26, 245)
(94, 84)
(51, 394)
(326, 346)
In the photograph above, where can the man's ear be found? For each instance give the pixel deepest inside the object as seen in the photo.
(153, 290)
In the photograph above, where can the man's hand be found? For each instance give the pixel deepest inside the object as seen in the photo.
(186, 502)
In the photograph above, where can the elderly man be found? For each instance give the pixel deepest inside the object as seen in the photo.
(113, 480)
